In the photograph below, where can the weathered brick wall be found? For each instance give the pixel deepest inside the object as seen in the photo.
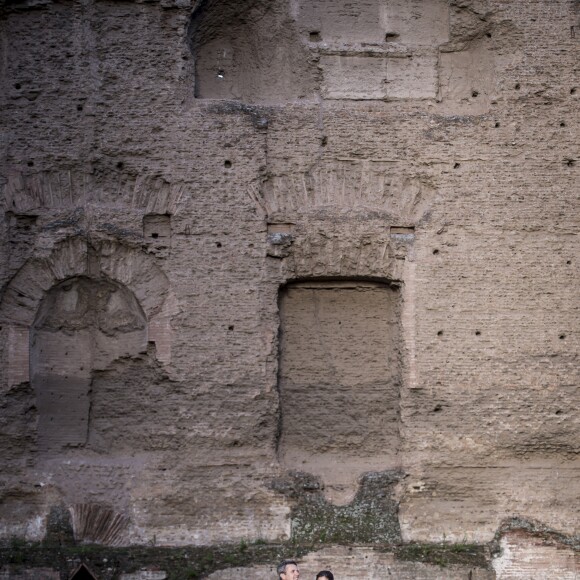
(522, 558)
(361, 563)
(202, 156)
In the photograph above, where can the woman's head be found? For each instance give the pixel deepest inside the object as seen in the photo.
(325, 575)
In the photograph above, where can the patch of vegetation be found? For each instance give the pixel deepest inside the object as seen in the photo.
(443, 554)
(193, 563)
(260, 542)
(109, 562)
(371, 518)
(322, 526)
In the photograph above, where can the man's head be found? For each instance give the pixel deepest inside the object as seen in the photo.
(288, 570)
(325, 575)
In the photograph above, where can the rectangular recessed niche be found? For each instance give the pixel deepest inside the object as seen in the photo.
(402, 234)
(157, 229)
(402, 230)
(339, 378)
(280, 228)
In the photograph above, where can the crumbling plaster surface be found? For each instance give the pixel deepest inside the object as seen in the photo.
(476, 157)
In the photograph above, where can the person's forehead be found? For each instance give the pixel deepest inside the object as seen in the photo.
(291, 567)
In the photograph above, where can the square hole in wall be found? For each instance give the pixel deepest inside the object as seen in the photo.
(157, 229)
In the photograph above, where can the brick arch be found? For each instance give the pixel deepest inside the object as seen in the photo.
(76, 257)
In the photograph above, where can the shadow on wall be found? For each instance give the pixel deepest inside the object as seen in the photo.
(248, 51)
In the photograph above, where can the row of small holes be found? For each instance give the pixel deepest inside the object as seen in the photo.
(478, 333)
(438, 407)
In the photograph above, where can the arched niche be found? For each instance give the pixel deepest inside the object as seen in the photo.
(81, 326)
(339, 380)
(75, 257)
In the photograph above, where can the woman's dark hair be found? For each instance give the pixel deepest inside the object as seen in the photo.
(325, 574)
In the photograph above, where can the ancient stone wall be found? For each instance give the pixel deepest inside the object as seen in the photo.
(289, 278)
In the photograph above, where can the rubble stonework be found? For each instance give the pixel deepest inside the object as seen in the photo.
(289, 278)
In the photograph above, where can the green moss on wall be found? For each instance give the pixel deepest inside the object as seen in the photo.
(371, 518)
(444, 554)
(108, 563)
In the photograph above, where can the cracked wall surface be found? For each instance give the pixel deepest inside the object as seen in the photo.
(202, 161)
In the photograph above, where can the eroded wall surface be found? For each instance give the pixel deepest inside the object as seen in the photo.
(197, 195)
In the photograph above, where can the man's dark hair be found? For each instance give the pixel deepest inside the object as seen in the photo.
(325, 574)
(281, 569)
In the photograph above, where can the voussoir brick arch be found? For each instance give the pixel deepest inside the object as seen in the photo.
(106, 260)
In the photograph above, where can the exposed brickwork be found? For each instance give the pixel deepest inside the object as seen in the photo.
(427, 144)
(361, 564)
(534, 558)
(160, 334)
(18, 355)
